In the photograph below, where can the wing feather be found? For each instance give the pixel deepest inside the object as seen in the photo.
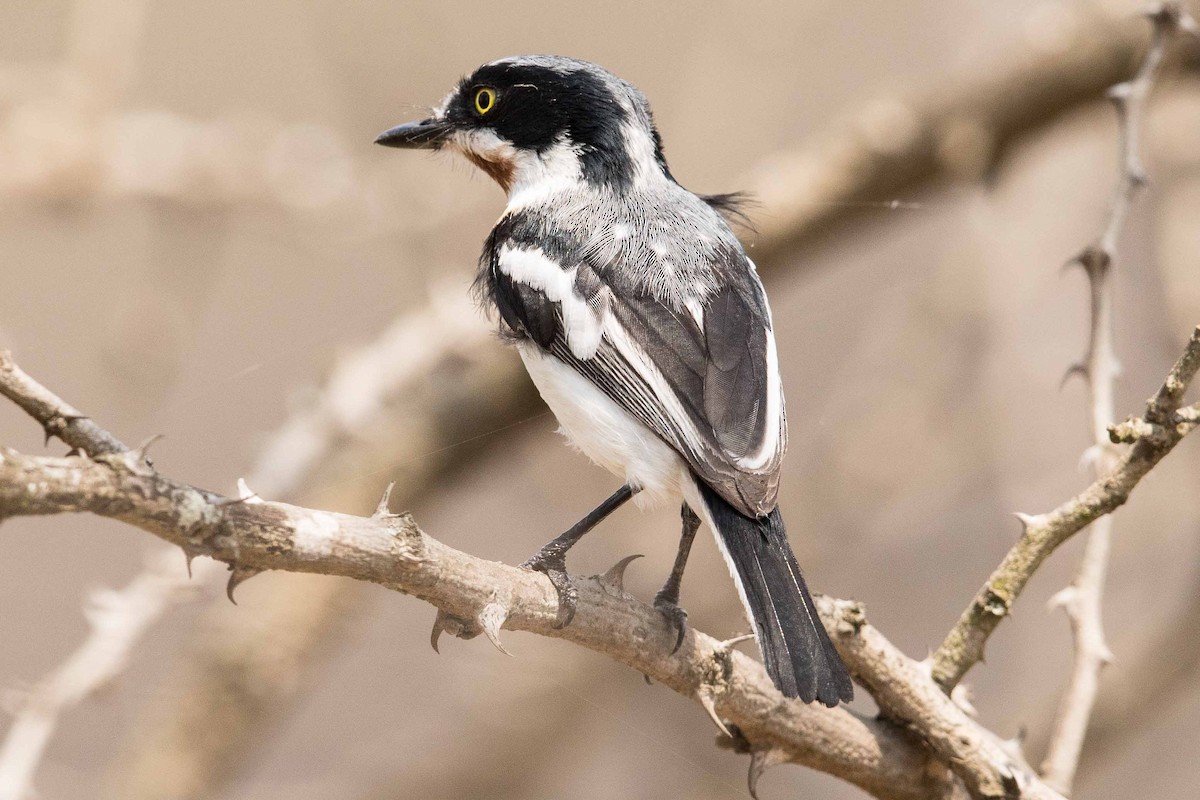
(706, 383)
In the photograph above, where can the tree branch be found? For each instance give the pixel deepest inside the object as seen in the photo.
(905, 691)
(392, 551)
(412, 403)
(57, 416)
(117, 620)
(1153, 437)
(962, 131)
(1082, 599)
(252, 535)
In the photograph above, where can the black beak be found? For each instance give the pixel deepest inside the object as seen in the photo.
(428, 134)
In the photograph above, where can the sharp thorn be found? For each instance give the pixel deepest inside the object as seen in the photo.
(436, 633)
(140, 451)
(729, 644)
(705, 696)
(615, 576)
(491, 619)
(238, 574)
(1027, 520)
(452, 625)
(1090, 456)
(245, 495)
(1063, 598)
(1015, 746)
(1078, 369)
(760, 762)
(381, 510)
(189, 555)
(1120, 91)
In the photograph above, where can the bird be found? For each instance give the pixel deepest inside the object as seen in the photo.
(644, 326)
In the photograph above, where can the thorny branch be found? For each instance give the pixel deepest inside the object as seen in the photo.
(252, 535)
(364, 386)
(392, 551)
(391, 405)
(1152, 436)
(963, 647)
(1082, 599)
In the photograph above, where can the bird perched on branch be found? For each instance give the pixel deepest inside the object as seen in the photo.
(644, 326)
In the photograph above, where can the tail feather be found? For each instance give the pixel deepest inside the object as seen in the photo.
(796, 650)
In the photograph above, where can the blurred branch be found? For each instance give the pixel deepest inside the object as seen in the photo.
(964, 645)
(1153, 436)
(1139, 694)
(390, 408)
(117, 620)
(447, 338)
(1082, 599)
(893, 146)
(961, 131)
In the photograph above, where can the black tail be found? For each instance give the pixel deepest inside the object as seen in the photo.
(796, 650)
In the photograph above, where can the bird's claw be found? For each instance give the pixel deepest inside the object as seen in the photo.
(675, 615)
(554, 567)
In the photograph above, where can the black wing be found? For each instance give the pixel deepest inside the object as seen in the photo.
(702, 376)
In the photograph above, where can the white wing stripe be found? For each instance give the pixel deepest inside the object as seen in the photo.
(583, 327)
(649, 372)
(773, 430)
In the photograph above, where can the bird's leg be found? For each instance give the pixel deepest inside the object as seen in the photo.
(667, 599)
(551, 559)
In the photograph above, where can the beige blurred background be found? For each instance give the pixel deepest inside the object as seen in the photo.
(195, 225)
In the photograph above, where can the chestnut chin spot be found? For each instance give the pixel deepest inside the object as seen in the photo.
(499, 171)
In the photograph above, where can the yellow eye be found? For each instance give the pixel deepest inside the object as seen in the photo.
(485, 99)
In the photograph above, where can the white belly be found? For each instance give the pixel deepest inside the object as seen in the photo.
(605, 432)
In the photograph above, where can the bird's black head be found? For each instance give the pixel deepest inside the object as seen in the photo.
(533, 118)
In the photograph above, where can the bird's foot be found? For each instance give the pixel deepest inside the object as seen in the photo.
(553, 564)
(669, 606)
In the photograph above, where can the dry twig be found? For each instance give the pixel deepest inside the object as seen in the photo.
(1164, 424)
(1082, 599)
(117, 619)
(963, 647)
